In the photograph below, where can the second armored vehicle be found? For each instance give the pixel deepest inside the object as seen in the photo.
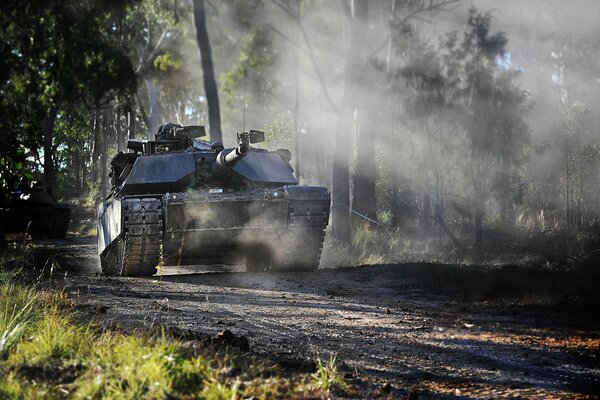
(35, 212)
(179, 200)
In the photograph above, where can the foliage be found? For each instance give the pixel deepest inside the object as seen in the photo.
(54, 53)
(249, 78)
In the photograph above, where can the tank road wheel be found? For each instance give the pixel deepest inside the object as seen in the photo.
(111, 261)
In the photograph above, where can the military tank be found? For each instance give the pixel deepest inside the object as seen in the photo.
(181, 200)
(33, 211)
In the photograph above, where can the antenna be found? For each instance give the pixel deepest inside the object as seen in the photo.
(244, 102)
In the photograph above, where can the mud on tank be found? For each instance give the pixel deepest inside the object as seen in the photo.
(180, 200)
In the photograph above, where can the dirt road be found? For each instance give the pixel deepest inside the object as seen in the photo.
(405, 324)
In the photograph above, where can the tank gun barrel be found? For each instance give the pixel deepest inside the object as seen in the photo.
(227, 158)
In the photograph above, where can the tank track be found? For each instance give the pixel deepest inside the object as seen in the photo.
(299, 248)
(139, 251)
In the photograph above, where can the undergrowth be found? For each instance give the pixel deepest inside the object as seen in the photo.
(372, 245)
(47, 353)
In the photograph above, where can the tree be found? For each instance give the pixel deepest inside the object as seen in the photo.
(153, 34)
(62, 55)
(493, 108)
(430, 104)
(401, 38)
(353, 62)
(210, 84)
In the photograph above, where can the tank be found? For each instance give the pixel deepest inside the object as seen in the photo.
(181, 200)
(33, 211)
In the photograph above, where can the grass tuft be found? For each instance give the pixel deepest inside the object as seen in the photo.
(16, 314)
(328, 378)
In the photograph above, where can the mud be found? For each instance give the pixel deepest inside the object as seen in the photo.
(399, 330)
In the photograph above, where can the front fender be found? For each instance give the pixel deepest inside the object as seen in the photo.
(110, 223)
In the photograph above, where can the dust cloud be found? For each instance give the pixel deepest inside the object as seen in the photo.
(282, 68)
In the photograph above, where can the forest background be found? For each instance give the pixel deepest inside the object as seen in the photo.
(444, 128)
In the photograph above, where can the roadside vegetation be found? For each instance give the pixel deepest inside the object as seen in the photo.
(47, 351)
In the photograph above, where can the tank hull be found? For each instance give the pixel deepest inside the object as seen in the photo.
(267, 229)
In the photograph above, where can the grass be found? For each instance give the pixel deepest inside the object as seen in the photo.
(328, 377)
(16, 314)
(47, 353)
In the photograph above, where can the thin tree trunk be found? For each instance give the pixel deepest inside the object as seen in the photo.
(479, 214)
(426, 211)
(104, 152)
(208, 74)
(131, 124)
(48, 130)
(506, 199)
(153, 101)
(121, 133)
(84, 172)
(396, 203)
(297, 99)
(97, 145)
(77, 164)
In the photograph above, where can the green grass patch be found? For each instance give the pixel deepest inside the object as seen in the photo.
(46, 353)
(328, 378)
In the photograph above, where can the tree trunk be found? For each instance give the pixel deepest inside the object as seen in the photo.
(153, 101)
(479, 214)
(506, 198)
(297, 98)
(341, 174)
(208, 74)
(104, 152)
(97, 145)
(365, 173)
(121, 133)
(131, 124)
(364, 199)
(48, 131)
(84, 172)
(77, 166)
(395, 184)
(426, 211)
